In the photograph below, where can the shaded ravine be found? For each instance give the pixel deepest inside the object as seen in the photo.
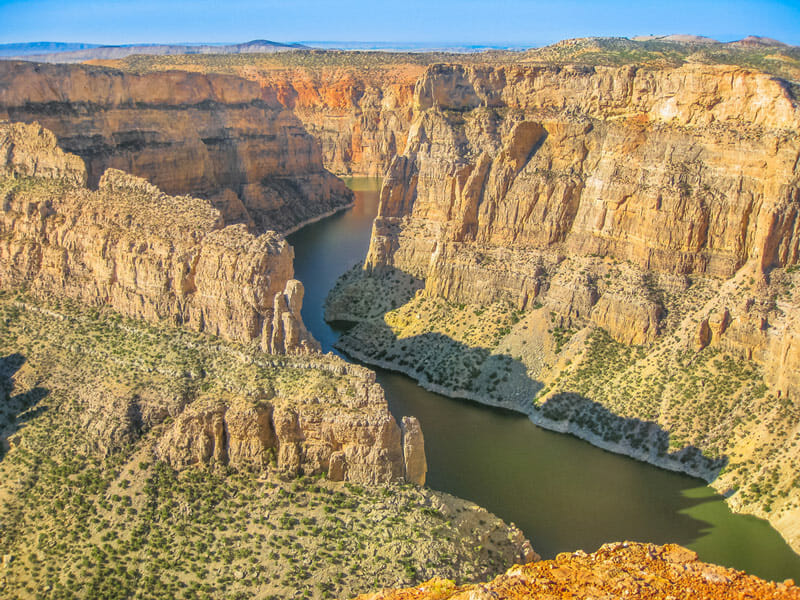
(564, 493)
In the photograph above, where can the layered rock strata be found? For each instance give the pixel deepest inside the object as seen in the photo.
(686, 172)
(361, 117)
(148, 255)
(349, 435)
(536, 208)
(219, 137)
(616, 570)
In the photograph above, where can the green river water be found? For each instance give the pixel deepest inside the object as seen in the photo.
(562, 492)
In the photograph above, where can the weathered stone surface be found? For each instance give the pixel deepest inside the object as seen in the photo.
(215, 136)
(415, 464)
(286, 333)
(348, 434)
(360, 116)
(616, 570)
(507, 170)
(33, 152)
(146, 254)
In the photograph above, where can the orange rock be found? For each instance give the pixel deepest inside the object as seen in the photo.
(628, 569)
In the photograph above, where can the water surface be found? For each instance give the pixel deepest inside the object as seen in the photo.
(562, 492)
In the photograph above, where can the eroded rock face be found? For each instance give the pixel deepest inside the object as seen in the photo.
(348, 434)
(361, 117)
(616, 570)
(133, 247)
(416, 466)
(286, 333)
(684, 171)
(219, 137)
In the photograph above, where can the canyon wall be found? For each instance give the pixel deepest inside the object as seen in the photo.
(348, 435)
(612, 251)
(172, 261)
(360, 117)
(145, 253)
(684, 172)
(214, 136)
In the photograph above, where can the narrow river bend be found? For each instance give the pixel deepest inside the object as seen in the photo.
(562, 492)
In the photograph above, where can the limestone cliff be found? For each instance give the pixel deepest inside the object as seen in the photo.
(611, 250)
(617, 570)
(361, 117)
(130, 246)
(689, 171)
(348, 434)
(219, 137)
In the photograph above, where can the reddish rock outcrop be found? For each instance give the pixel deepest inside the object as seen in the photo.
(360, 116)
(218, 137)
(620, 570)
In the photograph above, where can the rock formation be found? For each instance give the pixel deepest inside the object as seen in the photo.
(350, 435)
(616, 570)
(215, 136)
(689, 171)
(360, 116)
(148, 255)
(414, 451)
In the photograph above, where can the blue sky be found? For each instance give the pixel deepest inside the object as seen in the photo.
(518, 22)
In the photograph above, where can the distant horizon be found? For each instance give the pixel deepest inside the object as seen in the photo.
(517, 23)
(376, 43)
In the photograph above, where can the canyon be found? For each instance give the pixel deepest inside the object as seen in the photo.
(149, 350)
(658, 206)
(610, 249)
(212, 136)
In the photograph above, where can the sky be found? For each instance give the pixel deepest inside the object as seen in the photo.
(509, 22)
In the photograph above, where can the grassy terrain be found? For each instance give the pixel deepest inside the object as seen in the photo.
(86, 511)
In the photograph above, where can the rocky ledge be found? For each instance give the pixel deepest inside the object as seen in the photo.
(618, 570)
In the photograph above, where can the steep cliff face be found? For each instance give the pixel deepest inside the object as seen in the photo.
(614, 571)
(348, 434)
(688, 171)
(215, 136)
(133, 247)
(612, 251)
(360, 117)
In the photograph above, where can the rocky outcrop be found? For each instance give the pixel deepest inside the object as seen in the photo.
(416, 466)
(348, 434)
(218, 137)
(144, 253)
(616, 570)
(286, 331)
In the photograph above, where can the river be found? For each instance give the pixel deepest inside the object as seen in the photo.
(562, 492)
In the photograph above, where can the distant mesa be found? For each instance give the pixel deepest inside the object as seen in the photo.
(755, 41)
(684, 38)
(56, 52)
(751, 41)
